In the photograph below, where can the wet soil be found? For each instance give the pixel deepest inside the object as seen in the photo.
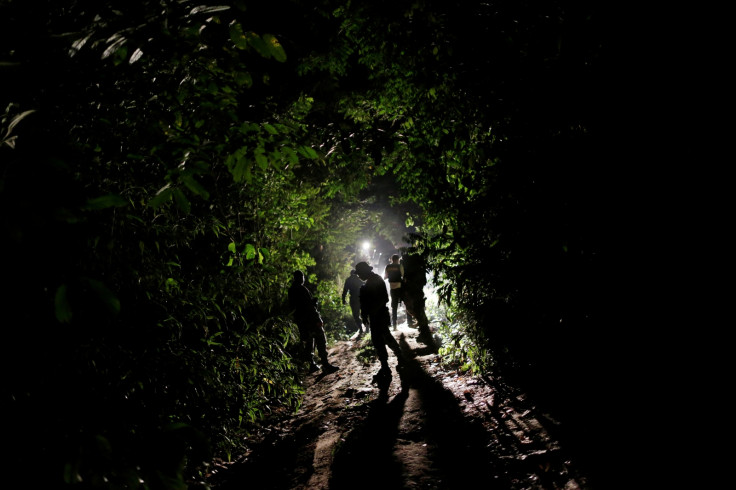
(430, 428)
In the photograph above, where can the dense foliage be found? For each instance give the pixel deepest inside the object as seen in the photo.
(165, 166)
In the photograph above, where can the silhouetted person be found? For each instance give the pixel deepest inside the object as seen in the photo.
(311, 326)
(394, 272)
(373, 309)
(352, 286)
(415, 277)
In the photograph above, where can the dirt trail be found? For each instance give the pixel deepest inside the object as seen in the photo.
(430, 429)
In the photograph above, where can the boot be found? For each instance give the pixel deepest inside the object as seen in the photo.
(384, 373)
(327, 367)
(425, 335)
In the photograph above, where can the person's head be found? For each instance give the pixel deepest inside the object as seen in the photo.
(363, 270)
(299, 277)
(352, 272)
(395, 258)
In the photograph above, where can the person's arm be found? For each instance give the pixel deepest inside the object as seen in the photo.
(345, 290)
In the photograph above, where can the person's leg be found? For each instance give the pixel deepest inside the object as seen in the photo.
(308, 346)
(381, 337)
(321, 341)
(425, 334)
(394, 306)
(393, 344)
(355, 308)
(408, 298)
(402, 299)
(377, 338)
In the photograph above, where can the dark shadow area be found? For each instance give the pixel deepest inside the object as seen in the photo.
(278, 463)
(365, 459)
(460, 451)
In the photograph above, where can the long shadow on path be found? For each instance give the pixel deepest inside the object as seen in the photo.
(457, 449)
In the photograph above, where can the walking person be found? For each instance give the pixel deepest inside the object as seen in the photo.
(394, 272)
(352, 287)
(374, 311)
(311, 326)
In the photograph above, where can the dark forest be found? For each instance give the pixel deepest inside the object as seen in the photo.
(166, 165)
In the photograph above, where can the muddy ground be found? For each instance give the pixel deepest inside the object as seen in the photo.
(431, 428)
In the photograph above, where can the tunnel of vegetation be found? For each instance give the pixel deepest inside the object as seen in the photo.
(166, 165)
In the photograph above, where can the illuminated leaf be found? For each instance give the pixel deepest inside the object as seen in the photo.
(275, 48)
(249, 252)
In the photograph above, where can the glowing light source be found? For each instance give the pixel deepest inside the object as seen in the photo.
(366, 246)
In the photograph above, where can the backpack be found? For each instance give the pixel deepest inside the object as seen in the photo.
(394, 272)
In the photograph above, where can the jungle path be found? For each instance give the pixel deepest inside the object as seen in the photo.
(430, 429)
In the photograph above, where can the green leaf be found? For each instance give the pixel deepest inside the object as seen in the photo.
(195, 186)
(208, 9)
(275, 48)
(105, 295)
(256, 42)
(249, 252)
(243, 78)
(237, 170)
(290, 154)
(231, 247)
(308, 152)
(62, 308)
(248, 174)
(237, 36)
(262, 161)
(162, 196)
(181, 201)
(270, 128)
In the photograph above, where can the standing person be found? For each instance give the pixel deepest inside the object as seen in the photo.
(311, 326)
(373, 309)
(415, 277)
(352, 286)
(394, 272)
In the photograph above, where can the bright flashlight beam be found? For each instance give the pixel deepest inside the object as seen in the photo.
(366, 246)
